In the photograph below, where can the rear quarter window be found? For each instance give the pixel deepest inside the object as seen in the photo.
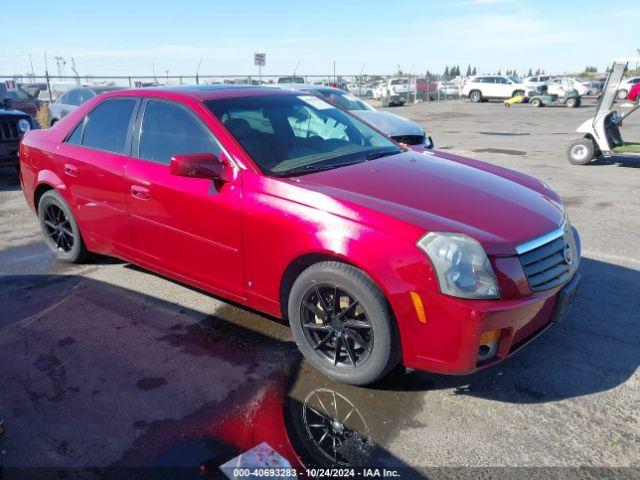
(106, 126)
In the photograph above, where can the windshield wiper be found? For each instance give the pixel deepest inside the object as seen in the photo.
(312, 168)
(374, 155)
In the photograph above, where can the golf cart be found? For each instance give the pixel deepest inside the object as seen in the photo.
(601, 134)
(570, 96)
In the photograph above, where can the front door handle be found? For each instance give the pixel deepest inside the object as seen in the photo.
(70, 170)
(141, 193)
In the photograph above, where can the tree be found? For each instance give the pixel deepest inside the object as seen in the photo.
(474, 71)
(446, 75)
(499, 72)
(514, 73)
(530, 73)
(590, 69)
(469, 71)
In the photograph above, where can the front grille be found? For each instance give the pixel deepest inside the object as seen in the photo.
(9, 130)
(409, 139)
(552, 263)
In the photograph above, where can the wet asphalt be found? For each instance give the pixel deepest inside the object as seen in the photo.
(107, 365)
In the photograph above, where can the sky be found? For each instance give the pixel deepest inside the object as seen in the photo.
(138, 37)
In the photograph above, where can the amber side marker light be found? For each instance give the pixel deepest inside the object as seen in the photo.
(489, 342)
(417, 304)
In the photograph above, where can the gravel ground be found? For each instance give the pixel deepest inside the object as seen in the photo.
(105, 364)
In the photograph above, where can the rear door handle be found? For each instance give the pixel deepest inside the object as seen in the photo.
(70, 170)
(141, 193)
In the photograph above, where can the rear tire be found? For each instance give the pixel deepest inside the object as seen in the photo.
(60, 229)
(572, 102)
(475, 96)
(581, 151)
(518, 92)
(536, 102)
(366, 332)
(622, 94)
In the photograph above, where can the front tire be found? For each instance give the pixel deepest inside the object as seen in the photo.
(581, 151)
(342, 323)
(622, 94)
(60, 229)
(536, 102)
(475, 96)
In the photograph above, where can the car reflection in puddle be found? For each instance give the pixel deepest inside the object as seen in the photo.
(310, 420)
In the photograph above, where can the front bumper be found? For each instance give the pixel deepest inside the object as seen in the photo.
(449, 339)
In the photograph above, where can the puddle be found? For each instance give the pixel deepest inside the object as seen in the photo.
(503, 151)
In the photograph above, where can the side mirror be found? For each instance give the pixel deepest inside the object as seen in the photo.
(201, 165)
(7, 104)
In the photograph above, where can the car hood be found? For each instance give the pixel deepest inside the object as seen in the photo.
(439, 192)
(389, 123)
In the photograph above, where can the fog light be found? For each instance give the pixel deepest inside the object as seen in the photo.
(489, 342)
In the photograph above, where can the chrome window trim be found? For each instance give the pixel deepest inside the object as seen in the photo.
(540, 241)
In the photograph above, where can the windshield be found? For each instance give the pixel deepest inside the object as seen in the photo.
(343, 99)
(294, 134)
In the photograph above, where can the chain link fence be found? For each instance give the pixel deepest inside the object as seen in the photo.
(32, 94)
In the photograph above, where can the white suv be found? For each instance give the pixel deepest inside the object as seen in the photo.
(486, 87)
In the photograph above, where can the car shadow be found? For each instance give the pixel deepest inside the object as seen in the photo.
(596, 348)
(100, 381)
(9, 181)
(620, 161)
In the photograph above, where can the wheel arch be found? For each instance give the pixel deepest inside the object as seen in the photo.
(303, 261)
(40, 190)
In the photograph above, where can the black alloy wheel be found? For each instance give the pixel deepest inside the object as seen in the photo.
(58, 228)
(343, 323)
(336, 326)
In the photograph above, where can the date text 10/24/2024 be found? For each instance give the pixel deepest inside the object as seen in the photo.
(240, 473)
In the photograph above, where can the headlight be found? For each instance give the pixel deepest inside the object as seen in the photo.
(462, 266)
(24, 125)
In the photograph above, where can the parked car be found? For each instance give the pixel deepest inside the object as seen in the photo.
(625, 86)
(634, 93)
(72, 99)
(448, 89)
(359, 90)
(21, 100)
(395, 91)
(398, 128)
(560, 85)
(487, 87)
(13, 125)
(373, 253)
(290, 80)
(537, 81)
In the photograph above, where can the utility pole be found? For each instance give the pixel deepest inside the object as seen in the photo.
(198, 71)
(295, 70)
(33, 73)
(360, 80)
(46, 74)
(73, 69)
(60, 63)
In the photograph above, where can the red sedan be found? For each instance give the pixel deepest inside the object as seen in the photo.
(634, 93)
(375, 254)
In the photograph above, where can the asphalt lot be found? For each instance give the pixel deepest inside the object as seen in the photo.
(105, 364)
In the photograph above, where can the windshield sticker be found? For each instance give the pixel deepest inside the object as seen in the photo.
(315, 102)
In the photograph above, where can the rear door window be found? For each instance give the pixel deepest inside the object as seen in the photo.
(169, 130)
(107, 125)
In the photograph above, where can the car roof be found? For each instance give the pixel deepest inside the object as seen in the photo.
(201, 92)
(308, 86)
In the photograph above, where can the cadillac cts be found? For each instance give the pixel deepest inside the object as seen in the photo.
(375, 254)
